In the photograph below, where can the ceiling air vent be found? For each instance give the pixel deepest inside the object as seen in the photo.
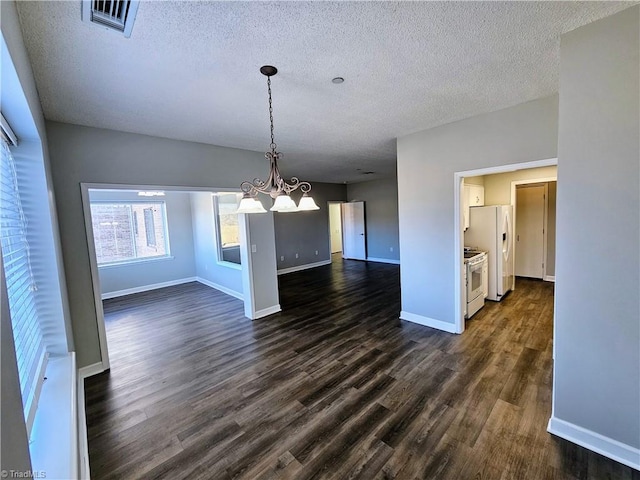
(113, 14)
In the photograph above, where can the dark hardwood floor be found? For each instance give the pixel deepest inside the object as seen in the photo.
(335, 386)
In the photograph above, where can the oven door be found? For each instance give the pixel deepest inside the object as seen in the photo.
(474, 279)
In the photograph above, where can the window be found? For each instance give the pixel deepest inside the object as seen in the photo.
(129, 231)
(227, 228)
(149, 227)
(30, 347)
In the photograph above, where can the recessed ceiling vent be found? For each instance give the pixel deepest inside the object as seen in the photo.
(113, 14)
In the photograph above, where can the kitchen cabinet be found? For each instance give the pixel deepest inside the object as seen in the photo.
(476, 195)
(473, 196)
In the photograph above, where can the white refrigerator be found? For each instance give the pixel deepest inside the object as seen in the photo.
(491, 229)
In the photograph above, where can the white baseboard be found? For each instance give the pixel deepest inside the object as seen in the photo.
(221, 288)
(146, 288)
(549, 278)
(267, 311)
(298, 268)
(383, 260)
(593, 441)
(90, 370)
(428, 322)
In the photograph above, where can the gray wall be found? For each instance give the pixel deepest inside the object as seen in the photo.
(427, 161)
(82, 154)
(381, 214)
(260, 253)
(305, 232)
(182, 264)
(597, 355)
(205, 248)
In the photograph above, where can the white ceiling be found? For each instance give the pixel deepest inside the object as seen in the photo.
(190, 71)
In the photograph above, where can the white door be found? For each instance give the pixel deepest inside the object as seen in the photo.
(353, 230)
(335, 227)
(530, 231)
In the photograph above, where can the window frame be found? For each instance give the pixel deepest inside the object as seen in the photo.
(136, 260)
(218, 232)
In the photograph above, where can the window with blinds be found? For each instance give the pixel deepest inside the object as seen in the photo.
(21, 288)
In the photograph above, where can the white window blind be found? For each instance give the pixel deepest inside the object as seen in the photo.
(29, 344)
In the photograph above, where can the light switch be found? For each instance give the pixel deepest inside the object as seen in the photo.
(253, 249)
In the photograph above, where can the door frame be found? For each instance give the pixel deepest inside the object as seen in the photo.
(458, 237)
(334, 202)
(514, 185)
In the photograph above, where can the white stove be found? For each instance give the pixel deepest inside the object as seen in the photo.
(476, 274)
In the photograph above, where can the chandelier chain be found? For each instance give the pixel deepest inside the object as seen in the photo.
(273, 143)
(275, 186)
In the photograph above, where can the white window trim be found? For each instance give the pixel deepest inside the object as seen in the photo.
(125, 263)
(224, 263)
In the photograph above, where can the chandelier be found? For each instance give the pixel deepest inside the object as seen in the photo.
(275, 186)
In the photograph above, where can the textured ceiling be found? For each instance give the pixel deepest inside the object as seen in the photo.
(190, 71)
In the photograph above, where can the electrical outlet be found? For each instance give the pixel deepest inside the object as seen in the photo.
(391, 249)
(296, 255)
(282, 258)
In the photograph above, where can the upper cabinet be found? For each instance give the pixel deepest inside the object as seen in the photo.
(476, 195)
(473, 196)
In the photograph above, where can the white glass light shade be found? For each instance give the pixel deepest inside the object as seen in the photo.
(284, 203)
(250, 205)
(307, 203)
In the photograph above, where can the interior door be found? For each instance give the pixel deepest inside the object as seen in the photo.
(353, 231)
(530, 231)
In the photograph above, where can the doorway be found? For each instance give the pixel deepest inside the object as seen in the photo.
(530, 244)
(142, 238)
(509, 176)
(335, 227)
(545, 240)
